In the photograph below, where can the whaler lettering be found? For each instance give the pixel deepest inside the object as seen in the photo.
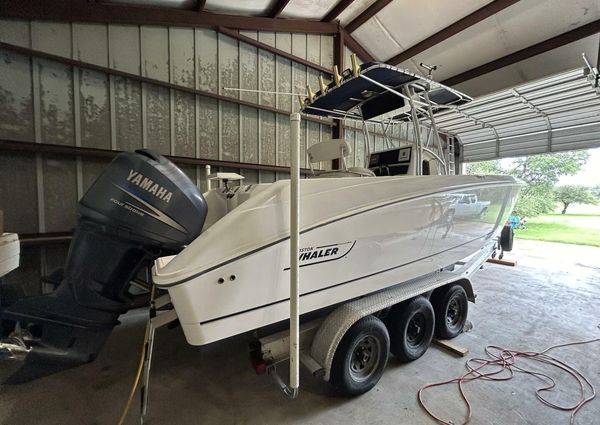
(319, 253)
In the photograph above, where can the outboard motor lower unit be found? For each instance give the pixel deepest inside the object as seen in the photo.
(142, 207)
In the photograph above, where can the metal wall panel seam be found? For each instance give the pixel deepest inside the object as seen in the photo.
(239, 95)
(305, 123)
(143, 100)
(171, 97)
(259, 131)
(77, 115)
(37, 135)
(38, 157)
(197, 110)
(219, 102)
(259, 101)
(111, 94)
(276, 123)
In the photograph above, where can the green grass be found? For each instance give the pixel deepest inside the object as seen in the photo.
(578, 229)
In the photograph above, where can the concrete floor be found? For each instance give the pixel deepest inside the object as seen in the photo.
(552, 296)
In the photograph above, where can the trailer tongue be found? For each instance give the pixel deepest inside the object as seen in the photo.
(142, 207)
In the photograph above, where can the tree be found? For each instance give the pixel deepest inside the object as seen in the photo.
(485, 168)
(596, 191)
(534, 200)
(548, 168)
(540, 173)
(571, 194)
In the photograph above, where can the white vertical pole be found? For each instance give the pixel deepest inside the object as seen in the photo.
(207, 172)
(294, 252)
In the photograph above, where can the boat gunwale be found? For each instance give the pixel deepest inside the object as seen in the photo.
(514, 183)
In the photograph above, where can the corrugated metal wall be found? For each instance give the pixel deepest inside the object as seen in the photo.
(49, 102)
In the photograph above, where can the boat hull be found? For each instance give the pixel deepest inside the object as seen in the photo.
(393, 238)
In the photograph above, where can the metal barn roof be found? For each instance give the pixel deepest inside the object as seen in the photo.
(557, 113)
(479, 46)
(394, 32)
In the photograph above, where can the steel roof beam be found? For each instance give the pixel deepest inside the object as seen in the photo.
(367, 14)
(336, 10)
(526, 53)
(235, 34)
(200, 5)
(55, 149)
(277, 8)
(82, 11)
(356, 47)
(462, 24)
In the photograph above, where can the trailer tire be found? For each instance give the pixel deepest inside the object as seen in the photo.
(361, 357)
(451, 307)
(507, 237)
(411, 326)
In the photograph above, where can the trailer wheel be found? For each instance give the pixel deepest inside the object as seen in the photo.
(411, 325)
(451, 307)
(361, 357)
(506, 238)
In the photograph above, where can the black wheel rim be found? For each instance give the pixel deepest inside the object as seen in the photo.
(415, 332)
(454, 312)
(364, 360)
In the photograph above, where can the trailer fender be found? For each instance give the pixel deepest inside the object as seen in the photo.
(466, 285)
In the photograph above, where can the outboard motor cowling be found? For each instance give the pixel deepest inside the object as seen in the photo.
(140, 208)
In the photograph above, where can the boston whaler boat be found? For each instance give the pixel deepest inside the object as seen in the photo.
(361, 260)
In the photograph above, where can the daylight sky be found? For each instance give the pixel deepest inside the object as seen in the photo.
(590, 173)
(588, 176)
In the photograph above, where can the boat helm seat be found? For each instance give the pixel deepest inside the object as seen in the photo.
(334, 149)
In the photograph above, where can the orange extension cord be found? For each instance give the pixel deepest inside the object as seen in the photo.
(505, 360)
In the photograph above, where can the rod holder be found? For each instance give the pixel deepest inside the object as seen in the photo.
(355, 65)
(336, 75)
(322, 85)
(310, 93)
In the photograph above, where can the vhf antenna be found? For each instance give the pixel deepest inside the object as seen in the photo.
(593, 75)
(429, 68)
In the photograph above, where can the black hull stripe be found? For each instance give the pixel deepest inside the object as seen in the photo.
(346, 282)
(398, 201)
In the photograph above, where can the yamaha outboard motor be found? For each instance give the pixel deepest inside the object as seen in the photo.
(142, 207)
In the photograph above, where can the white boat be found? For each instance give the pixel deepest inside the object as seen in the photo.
(227, 257)
(361, 229)
(9, 253)
(358, 235)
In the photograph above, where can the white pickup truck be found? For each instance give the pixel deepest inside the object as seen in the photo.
(467, 205)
